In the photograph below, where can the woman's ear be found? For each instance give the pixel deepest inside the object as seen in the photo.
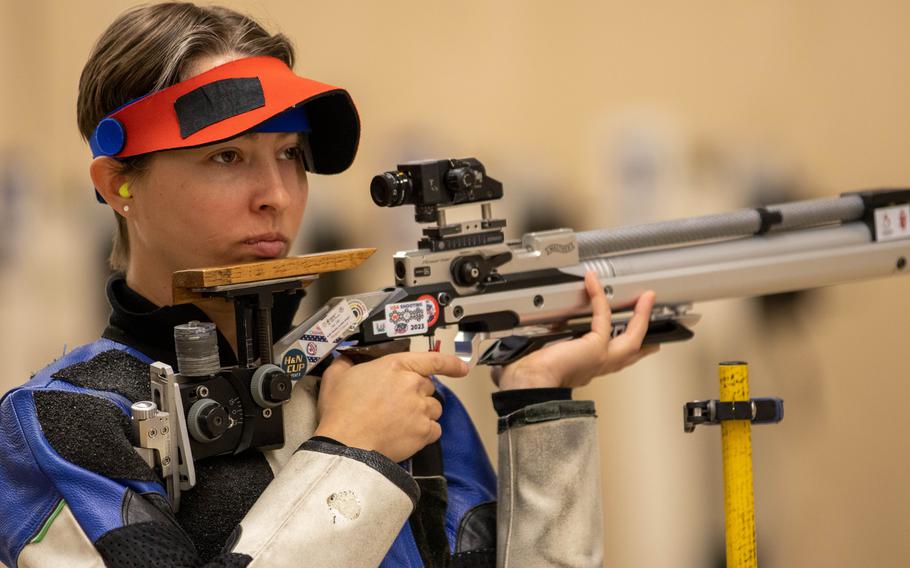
(111, 183)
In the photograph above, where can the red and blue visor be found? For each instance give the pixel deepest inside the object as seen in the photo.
(254, 94)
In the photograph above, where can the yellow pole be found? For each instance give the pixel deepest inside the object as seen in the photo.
(739, 504)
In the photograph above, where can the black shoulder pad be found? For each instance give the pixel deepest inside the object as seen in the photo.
(116, 371)
(90, 432)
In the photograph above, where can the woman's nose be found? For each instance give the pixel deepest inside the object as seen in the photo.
(273, 190)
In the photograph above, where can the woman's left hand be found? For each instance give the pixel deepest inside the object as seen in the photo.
(574, 363)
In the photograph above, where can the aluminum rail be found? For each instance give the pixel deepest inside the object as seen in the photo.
(741, 223)
(755, 266)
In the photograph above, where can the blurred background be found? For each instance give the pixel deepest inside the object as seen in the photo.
(592, 114)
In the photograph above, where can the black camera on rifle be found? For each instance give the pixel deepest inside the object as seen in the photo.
(431, 184)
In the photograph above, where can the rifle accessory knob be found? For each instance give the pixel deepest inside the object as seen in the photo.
(143, 410)
(270, 386)
(207, 420)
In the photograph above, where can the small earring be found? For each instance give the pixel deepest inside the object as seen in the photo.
(124, 190)
(126, 208)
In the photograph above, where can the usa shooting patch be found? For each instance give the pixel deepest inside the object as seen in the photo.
(407, 318)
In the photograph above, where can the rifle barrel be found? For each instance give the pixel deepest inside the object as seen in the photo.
(755, 266)
(741, 223)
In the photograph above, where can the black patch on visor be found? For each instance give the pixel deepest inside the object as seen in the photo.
(217, 101)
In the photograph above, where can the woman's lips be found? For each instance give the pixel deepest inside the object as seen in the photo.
(266, 248)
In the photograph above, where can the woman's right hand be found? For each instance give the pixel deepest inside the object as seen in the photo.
(385, 405)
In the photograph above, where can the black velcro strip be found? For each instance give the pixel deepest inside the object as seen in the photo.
(152, 544)
(90, 432)
(546, 412)
(217, 101)
(508, 401)
(115, 371)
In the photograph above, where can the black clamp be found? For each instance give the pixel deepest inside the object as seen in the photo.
(756, 410)
(471, 269)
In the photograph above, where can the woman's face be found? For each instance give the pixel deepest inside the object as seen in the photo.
(225, 203)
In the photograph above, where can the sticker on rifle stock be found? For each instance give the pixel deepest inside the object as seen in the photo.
(294, 363)
(409, 318)
(336, 323)
(432, 308)
(359, 309)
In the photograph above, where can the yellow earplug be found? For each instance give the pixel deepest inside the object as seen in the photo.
(124, 190)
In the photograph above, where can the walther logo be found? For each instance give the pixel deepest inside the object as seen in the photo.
(559, 248)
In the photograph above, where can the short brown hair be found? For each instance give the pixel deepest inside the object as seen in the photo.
(150, 47)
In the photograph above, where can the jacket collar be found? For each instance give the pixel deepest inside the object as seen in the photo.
(138, 323)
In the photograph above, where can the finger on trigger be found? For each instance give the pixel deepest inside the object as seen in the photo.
(432, 363)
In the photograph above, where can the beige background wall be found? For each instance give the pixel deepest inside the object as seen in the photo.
(592, 114)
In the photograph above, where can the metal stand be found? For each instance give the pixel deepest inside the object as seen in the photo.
(253, 311)
(735, 412)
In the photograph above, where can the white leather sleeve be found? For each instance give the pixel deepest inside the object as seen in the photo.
(64, 544)
(549, 511)
(329, 505)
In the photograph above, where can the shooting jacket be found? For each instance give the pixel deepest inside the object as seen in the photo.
(74, 492)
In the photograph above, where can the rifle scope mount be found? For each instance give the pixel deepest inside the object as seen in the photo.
(431, 186)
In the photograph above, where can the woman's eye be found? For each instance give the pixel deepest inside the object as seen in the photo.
(226, 157)
(293, 153)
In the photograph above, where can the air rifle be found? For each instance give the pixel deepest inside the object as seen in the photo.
(508, 298)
